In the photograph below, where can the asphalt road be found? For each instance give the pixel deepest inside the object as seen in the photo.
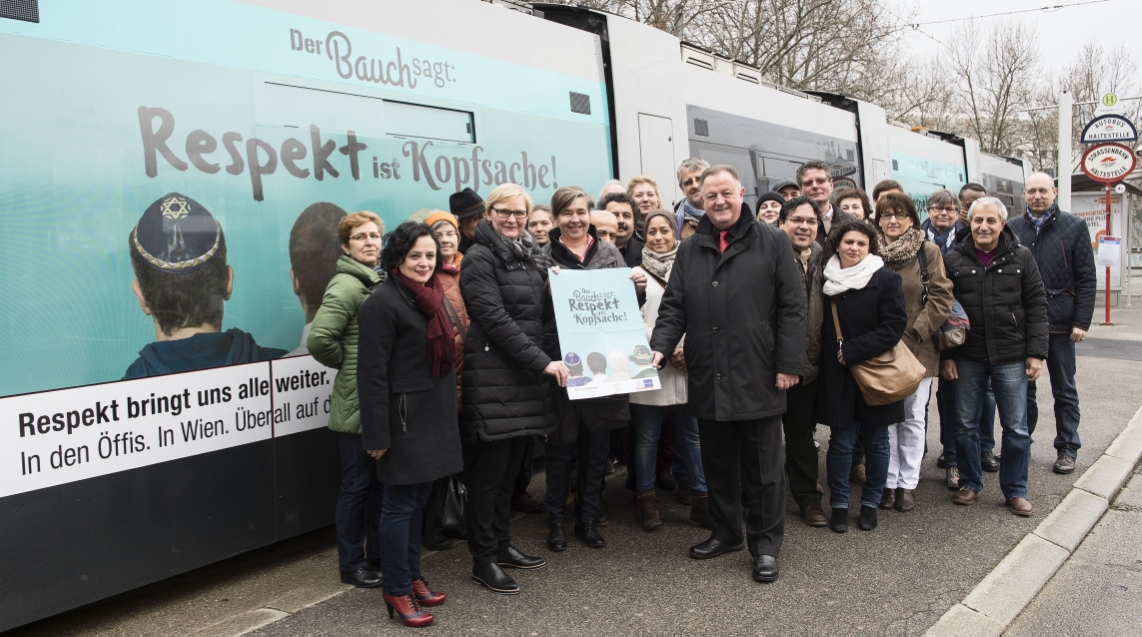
(898, 579)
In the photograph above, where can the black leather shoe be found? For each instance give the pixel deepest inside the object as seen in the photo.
(556, 538)
(363, 578)
(493, 578)
(765, 568)
(941, 462)
(867, 518)
(713, 548)
(839, 520)
(511, 557)
(988, 462)
(590, 535)
(437, 542)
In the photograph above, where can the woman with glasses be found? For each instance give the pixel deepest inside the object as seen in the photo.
(507, 381)
(333, 343)
(928, 304)
(943, 223)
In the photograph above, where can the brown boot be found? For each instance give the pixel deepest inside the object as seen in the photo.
(700, 509)
(648, 503)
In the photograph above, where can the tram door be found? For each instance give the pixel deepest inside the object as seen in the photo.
(656, 147)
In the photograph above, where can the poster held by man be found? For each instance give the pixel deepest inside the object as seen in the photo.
(601, 333)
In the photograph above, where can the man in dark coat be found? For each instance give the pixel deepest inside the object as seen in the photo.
(799, 218)
(1060, 242)
(735, 292)
(996, 281)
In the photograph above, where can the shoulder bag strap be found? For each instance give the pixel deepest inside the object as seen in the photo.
(837, 323)
(459, 325)
(924, 277)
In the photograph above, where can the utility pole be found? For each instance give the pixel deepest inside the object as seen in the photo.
(1066, 104)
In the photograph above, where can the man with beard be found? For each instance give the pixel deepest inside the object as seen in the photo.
(621, 206)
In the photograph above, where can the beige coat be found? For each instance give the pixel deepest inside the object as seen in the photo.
(673, 382)
(925, 319)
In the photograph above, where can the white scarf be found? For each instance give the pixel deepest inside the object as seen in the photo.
(838, 279)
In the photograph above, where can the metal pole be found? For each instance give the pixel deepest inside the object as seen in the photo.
(1108, 234)
(1066, 102)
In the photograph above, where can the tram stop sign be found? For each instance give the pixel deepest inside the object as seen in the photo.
(1108, 163)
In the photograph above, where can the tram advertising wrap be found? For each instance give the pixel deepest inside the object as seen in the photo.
(172, 186)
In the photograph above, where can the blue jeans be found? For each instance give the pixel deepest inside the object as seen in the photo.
(838, 464)
(358, 506)
(402, 519)
(1009, 381)
(647, 421)
(1061, 367)
(946, 405)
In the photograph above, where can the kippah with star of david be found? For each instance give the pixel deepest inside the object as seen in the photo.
(176, 235)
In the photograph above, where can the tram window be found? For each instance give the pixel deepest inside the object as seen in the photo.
(415, 120)
(330, 110)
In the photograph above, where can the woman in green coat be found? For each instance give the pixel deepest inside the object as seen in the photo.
(333, 343)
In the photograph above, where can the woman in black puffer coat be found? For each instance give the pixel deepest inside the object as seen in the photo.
(508, 380)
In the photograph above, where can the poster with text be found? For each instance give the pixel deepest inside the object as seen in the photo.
(601, 335)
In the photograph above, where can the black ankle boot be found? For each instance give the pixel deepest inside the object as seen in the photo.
(493, 578)
(867, 518)
(839, 520)
(556, 538)
(590, 535)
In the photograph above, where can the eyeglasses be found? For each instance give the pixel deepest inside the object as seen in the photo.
(503, 213)
(949, 209)
(364, 236)
(893, 214)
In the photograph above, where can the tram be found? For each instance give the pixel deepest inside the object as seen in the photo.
(128, 456)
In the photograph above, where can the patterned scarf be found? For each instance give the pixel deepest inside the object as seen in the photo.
(525, 248)
(945, 240)
(1041, 221)
(658, 264)
(901, 252)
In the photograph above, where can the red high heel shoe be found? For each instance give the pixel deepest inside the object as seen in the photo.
(409, 610)
(425, 595)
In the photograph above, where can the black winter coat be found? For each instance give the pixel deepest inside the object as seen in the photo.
(403, 408)
(743, 314)
(504, 392)
(632, 251)
(1063, 252)
(596, 414)
(1005, 301)
(873, 320)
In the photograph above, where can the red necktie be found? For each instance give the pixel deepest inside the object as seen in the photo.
(722, 245)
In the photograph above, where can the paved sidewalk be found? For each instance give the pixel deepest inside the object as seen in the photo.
(897, 580)
(1098, 591)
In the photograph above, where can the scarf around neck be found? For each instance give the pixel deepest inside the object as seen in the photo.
(901, 252)
(658, 264)
(838, 279)
(429, 299)
(1039, 222)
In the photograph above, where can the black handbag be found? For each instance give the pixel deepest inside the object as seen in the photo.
(455, 502)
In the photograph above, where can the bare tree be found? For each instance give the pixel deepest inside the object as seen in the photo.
(998, 68)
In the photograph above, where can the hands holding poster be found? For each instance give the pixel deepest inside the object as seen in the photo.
(601, 335)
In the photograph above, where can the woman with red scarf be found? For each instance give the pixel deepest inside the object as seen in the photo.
(406, 382)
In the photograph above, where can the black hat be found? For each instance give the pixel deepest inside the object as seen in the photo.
(786, 184)
(770, 196)
(176, 235)
(642, 355)
(465, 203)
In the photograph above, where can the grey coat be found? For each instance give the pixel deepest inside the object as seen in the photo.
(403, 408)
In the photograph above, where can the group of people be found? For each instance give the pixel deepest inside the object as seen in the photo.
(450, 366)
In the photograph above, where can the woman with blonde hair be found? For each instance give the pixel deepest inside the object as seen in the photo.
(508, 378)
(643, 189)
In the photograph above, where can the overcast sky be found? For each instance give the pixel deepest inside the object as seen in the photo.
(1062, 32)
